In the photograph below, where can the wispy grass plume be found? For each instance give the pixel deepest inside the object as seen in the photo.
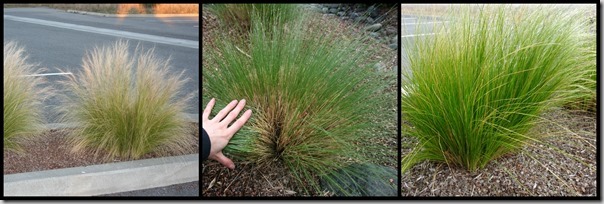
(23, 96)
(126, 105)
(482, 81)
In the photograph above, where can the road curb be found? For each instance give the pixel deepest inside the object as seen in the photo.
(131, 15)
(104, 178)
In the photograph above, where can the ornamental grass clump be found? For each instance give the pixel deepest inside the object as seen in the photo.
(586, 86)
(125, 105)
(310, 95)
(23, 96)
(481, 82)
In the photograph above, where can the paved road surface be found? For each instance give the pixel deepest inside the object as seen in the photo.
(185, 189)
(58, 40)
(414, 28)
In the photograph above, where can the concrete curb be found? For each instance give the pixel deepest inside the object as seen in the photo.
(104, 178)
(131, 15)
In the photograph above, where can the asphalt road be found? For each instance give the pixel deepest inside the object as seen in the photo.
(415, 28)
(57, 47)
(190, 189)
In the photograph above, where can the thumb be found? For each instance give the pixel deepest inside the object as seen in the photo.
(219, 157)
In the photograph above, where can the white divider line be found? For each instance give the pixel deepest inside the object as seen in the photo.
(409, 18)
(415, 35)
(420, 23)
(103, 31)
(49, 74)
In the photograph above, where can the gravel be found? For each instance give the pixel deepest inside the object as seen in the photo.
(562, 164)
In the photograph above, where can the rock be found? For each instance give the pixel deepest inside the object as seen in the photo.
(363, 180)
(372, 11)
(374, 27)
(370, 20)
(371, 8)
(391, 30)
(379, 67)
(325, 10)
(333, 10)
(354, 15)
(332, 5)
(360, 19)
(358, 7)
(315, 7)
(374, 34)
(345, 18)
(394, 46)
(344, 8)
(341, 13)
(395, 39)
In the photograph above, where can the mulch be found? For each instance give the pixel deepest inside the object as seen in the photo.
(563, 163)
(50, 151)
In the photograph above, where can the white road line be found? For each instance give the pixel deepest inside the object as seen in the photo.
(409, 18)
(415, 35)
(172, 20)
(419, 23)
(49, 74)
(103, 31)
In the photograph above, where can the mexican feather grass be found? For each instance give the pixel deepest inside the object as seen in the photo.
(23, 96)
(310, 94)
(480, 84)
(126, 105)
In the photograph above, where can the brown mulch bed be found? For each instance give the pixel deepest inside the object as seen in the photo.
(245, 180)
(562, 164)
(50, 151)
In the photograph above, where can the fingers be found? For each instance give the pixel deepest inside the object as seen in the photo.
(233, 114)
(219, 157)
(240, 122)
(208, 109)
(225, 111)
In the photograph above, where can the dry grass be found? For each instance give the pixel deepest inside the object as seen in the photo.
(23, 96)
(120, 8)
(126, 106)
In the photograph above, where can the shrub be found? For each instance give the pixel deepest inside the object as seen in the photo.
(126, 106)
(23, 96)
(480, 84)
(310, 94)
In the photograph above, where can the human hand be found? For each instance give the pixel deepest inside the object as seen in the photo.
(218, 130)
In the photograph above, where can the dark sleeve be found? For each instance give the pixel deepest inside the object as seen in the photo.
(205, 145)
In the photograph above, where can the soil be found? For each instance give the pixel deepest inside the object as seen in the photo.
(563, 163)
(49, 151)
